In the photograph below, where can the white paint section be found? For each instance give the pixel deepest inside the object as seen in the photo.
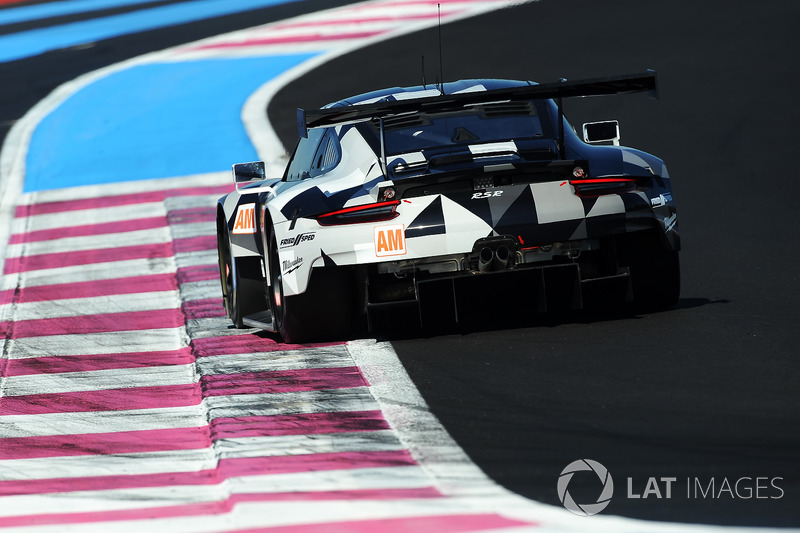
(464, 239)
(40, 425)
(95, 272)
(403, 477)
(115, 342)
(143, 301)
(71, 423)
(608, 204)
(178, 461)
(99, 215)
(95, 380)
(287, 403)
(555, 202)
(333, 357)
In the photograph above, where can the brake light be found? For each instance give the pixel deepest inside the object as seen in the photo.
(377, 212)
(589, 188)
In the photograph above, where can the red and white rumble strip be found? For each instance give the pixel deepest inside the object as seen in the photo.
(127, 402)
(126, 396)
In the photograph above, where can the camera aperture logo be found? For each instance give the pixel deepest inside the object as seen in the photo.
(585, 509)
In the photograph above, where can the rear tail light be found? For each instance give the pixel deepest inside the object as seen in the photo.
(589, 188)
(377, 212)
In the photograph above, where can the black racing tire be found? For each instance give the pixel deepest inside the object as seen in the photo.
(240, 278)
(655, 273)
(324, 312)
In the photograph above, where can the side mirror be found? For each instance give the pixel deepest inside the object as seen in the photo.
(247, 172)
(600, 132)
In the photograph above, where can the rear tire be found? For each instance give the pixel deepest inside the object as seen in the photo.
(240, 278)
(323, 312)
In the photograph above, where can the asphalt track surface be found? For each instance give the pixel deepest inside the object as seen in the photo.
(708, 390)
(705, 393)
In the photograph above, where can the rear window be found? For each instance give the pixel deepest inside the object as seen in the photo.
(479, 124)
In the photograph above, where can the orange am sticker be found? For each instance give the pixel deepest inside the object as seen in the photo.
(245, 219)
(390, 240)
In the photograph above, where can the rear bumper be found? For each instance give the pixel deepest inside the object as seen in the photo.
(462, 298)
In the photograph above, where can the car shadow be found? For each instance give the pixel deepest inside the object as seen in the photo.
(408, 327)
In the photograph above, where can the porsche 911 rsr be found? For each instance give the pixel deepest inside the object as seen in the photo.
(432, 199)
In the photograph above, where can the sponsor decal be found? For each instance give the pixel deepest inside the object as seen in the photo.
(245, 219)
(669, 223)
(487, 194)
(290, 265)
(290, 242)
(660, 200)
(390, 240)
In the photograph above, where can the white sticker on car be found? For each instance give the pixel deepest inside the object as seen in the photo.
(245, 219)
(390, 240)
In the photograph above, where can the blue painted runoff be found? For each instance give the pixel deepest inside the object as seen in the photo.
(24, 44)
(151, 121)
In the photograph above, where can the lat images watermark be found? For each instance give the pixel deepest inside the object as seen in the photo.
(591, 508)
(690, 488)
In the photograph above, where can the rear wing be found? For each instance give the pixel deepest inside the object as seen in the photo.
(333, 116)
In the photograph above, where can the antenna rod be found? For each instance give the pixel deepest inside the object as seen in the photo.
(384, 165)
(441, 67)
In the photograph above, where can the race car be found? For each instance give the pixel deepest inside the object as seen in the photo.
(442, 201)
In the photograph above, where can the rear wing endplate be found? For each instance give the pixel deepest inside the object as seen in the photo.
(333, 116)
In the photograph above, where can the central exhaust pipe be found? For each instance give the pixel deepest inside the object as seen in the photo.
(485, 259)
(501, 257)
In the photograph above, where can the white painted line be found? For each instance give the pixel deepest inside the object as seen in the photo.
(82, 192)
(398, 477)
(97, 305)
(149, 340)
(109, 465)
(95, 272)
(329, 401)
(102, 421)
(194, 229)
(273, 446)
(331, 357)
(188, 259)
(193, 460)
(173, 203)
(107, 242)
(99, 215)
(200, 290)
(96, 380)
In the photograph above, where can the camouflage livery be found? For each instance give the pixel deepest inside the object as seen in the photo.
(412, 197)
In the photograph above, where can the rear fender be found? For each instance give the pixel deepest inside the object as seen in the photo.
(239, 213)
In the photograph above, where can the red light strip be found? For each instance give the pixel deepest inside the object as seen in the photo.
(602, 180)
(360, 208)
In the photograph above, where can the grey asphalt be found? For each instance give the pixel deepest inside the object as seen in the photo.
(707, 393)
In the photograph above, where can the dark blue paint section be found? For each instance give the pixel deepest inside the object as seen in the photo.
(29, 43)
(60, 9)
(151, 121)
